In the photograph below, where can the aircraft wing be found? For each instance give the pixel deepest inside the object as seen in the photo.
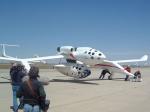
(31, 59)
(26, 61)
(118, 68)
(114, 66)
(43, 58)
(9, 59)
(143, 58)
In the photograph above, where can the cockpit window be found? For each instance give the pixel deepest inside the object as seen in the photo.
(85, 52)
(99, 54)
(93, 53)
(89, 53)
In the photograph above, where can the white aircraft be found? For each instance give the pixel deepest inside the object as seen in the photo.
(78, 61)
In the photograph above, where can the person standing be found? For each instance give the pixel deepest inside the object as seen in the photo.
(32, 91)
(129, 70)
(17, 72)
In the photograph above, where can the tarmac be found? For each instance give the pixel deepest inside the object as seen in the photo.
(89, 94)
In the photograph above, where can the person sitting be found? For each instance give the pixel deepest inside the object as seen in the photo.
(32, 91)
(137, 76)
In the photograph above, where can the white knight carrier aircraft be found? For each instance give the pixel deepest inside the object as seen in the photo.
(78, 61)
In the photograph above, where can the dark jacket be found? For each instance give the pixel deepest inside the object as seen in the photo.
(28, 96)
(137, 74)
(17, 75)
(105, 71)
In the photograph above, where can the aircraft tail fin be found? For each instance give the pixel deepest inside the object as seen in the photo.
(4, 50)
(144, 58)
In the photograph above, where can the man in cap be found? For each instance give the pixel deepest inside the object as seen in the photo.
(32, 91)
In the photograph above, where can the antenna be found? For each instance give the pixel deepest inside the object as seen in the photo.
(4, 50)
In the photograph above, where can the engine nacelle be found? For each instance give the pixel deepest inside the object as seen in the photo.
(74, 70)
(65, 49)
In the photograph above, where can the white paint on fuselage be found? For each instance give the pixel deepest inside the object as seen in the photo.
(72, 69)
(88, 55)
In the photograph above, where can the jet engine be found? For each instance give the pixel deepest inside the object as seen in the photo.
(65, 49)
(74, 70)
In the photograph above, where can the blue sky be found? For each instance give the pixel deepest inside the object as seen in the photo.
(119, 28)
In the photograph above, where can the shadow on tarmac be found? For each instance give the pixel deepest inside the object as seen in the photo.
(73, 81)
(85, 81)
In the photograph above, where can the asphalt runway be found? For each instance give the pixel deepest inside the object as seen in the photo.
(89, 94)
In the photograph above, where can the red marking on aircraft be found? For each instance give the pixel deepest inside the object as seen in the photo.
(106, 65)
